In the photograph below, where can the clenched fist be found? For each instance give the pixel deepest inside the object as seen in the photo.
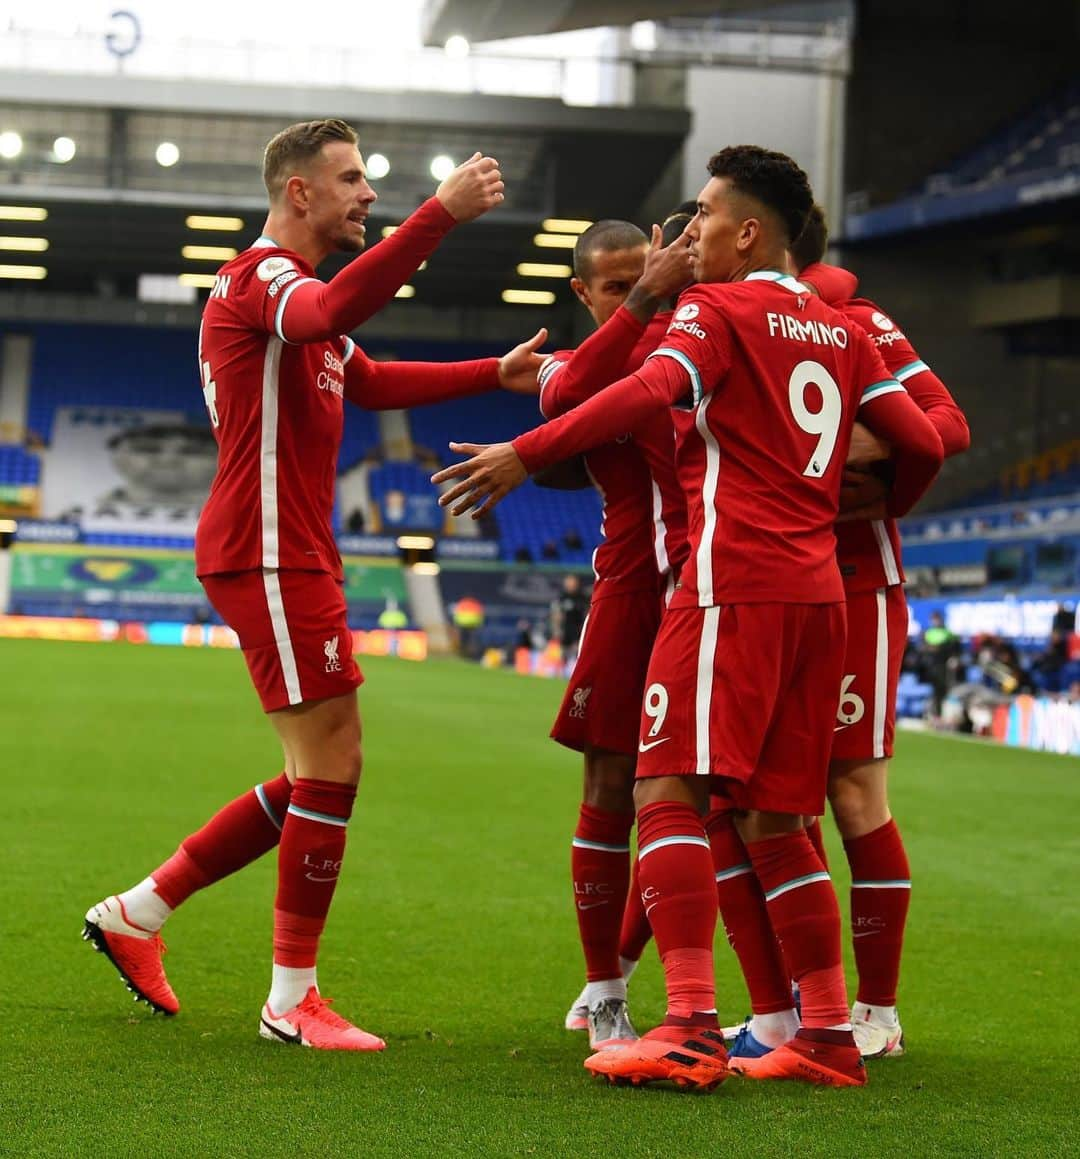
(472, 189)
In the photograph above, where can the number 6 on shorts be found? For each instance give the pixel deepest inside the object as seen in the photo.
(852, 708)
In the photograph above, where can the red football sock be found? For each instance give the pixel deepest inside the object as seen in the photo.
(636, 931)
(806, 919)
(234, 837)
(309, 860)
(817, 840)
(746, 920)
(679, 894)
(880, 894)
(600, 865)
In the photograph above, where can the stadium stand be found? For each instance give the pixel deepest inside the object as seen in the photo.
(1033, 159)
(1046, 139)
(154, 369)
(18, 467)
(405, 497)
(533, 516)
(143, 368)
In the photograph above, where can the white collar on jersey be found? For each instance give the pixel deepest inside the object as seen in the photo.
(265, 243)
(785, 280)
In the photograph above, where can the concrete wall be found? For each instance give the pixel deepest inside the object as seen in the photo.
(799, 113)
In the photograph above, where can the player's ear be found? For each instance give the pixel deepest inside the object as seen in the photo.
(748, 234)
(581, 292)
(296, 192)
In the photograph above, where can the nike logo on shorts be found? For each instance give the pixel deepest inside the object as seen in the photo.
(644, 748)
(592, 905)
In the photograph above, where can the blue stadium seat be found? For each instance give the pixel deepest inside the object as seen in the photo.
(531, 516)
(1036, 142)
(18, 467)
(912, 696)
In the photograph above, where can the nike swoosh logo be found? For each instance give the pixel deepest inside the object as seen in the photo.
(866, 934)
(840, 726)
(310, 878)
(644, 748)
(298, 1038)
(592, 905)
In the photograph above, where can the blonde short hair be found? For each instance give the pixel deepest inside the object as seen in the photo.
(297, 145)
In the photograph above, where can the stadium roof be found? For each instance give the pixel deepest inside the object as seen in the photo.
(114, 213)
(480, 20)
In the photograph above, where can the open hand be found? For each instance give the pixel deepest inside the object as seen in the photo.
(490, 475)
(472, 189)
(668, 270)
(519, 367)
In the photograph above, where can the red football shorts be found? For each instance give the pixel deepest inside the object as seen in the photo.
(293, 630)
(746, 694)
(877, 636)
(602, 705)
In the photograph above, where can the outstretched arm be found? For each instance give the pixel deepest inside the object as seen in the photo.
(601, 357)
(313, 311)
(565, 385)
(397, 385)
(494, 471)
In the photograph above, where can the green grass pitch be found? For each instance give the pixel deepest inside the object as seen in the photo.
(452, 935)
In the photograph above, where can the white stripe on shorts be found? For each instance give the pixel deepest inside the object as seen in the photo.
(274, 601)
(888, 558)
(703, 698)
(881, 674)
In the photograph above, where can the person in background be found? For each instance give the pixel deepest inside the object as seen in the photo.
(1049, 664)
(1064, 620)
(939, 648)
(568, 616)
(392, 618)
(468, 615)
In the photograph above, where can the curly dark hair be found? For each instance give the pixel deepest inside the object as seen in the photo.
(774, 179)
(810, 245)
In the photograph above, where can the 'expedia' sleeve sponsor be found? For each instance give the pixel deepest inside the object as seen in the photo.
(696, 340)
(889, 411)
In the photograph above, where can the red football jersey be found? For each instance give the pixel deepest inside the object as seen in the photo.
(276, 411)
(655, 438)
(868, 550)
(778, 378)
(774, 379)
(644, 514)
